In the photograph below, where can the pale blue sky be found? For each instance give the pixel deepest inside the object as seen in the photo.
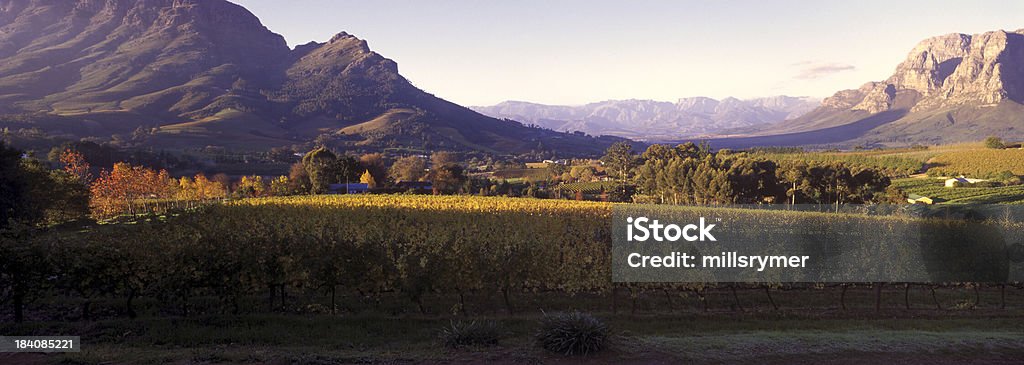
(573, 52)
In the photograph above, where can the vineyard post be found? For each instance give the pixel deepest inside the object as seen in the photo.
(878, 297)
(1002, 296)
(906, 295)
(736, 297)
(768, 292)
(842, 295)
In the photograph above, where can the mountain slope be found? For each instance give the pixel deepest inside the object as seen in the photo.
(950, 88)
(208, 72)
(654, 120)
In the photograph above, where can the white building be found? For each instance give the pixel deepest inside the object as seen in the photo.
(962, 180)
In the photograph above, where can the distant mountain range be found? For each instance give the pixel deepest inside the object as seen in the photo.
(950, 88)
(656, 120)
(192, 73)
(180, 74)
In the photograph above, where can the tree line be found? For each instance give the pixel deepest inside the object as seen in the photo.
(695, 174)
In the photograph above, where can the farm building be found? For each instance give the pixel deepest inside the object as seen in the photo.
(919, 199)
(961, 181)
(348, 188)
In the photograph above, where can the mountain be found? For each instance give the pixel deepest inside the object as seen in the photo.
(950, 88)
(187, 73)
(655, 120)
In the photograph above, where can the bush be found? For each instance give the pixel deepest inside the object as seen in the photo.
(995, 143)
(472, 333)
(572, 333)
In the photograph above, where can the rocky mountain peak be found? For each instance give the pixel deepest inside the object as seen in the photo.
(946, 71)
(930, 63)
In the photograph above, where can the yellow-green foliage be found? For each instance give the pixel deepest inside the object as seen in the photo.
(982, 162)
(415, 246)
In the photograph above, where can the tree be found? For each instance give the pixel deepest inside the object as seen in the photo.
(321, 167)
(348, 169)
(374, 163)
(281, 186)
(994, 143)
(441, 158)
(118, 190)
(410, 168)
(251, 187)
(368, 179)
(620, 161)
(298, 179)
(225, 181)
(76, 166)
(32, 194)
(447, 178)
(14, 199)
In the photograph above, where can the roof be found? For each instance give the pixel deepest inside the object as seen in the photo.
(349, 186)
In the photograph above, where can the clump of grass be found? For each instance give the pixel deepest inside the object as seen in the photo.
(469, 333)
(572, 333)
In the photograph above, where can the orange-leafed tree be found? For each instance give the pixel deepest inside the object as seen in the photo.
(207, 189)
(76, 166)
(124, 187)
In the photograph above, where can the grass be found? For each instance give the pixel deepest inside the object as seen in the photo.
(808, 326)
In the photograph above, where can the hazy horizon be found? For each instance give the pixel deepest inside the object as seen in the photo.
(575, 52)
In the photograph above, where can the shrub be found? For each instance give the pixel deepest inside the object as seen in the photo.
(469, 333)
(573, 333)
(995, 143)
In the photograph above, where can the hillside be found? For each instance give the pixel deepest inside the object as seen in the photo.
(951, 88)
(654, 120)
(207, 72)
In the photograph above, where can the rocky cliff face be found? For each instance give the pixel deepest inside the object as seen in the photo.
(947, 71)
(193, 63)
(950, 88)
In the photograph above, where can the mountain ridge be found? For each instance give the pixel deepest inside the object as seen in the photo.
(208, 72)
(950, 88)
(654, 120)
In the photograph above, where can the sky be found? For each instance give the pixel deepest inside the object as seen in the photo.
(570, 52)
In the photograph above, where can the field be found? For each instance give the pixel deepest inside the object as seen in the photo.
(372, 279)
(521, 175)
(970, 159)
(979, 163)
(935, 189)
(890, 164)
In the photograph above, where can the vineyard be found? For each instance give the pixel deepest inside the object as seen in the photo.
(360, 273)
(890, 164)
(296, 250)
(979, 163)
(936, 189)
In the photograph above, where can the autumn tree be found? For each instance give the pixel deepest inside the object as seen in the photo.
(447, 178)
(410, 168)
(368, 179)
(251, 187)
(281, 186)
(124, 187)
(374, 163)
(76, 166)
(442, 158)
